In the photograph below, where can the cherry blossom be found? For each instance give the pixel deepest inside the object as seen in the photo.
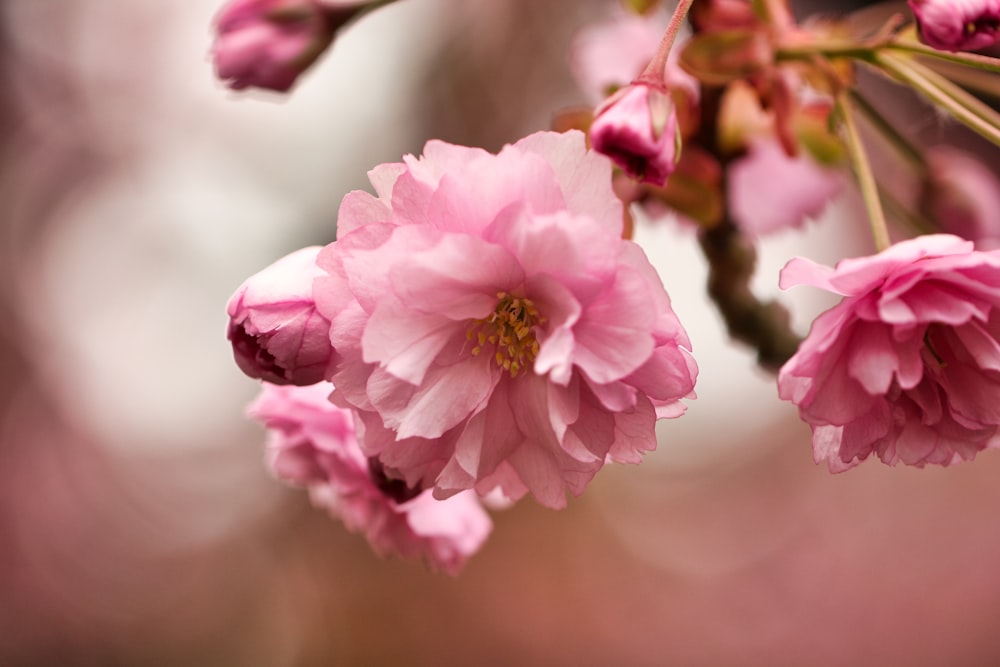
(493, 328)
(907, 365)
(312, 443)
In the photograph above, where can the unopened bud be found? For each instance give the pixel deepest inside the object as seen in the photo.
(276, 332)
(637, 128)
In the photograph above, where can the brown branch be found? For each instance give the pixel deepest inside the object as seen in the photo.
(761, 325)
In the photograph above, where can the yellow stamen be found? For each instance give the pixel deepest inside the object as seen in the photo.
(510, 329)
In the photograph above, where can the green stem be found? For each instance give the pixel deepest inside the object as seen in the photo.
(973, 60)
(964, 107)
(903, 145)
(863, 172)
(829, 50)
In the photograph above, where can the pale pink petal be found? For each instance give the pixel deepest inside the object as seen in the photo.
(458, 278)
(447, 396)
(512, 177)
(803, 271)
(613, 335)
(633, 435)
(405, 342)
(872, 358)
(769, 191)
(358, 209)
(583, 176)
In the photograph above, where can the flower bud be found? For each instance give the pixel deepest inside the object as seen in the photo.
(276, 331)
(269, 43)
(957, 26)
(637, 128)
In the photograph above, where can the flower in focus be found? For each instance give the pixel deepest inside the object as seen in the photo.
(908, 364)
(276, 332)
(769, 191)
(962, 196)
(269, 43)
(637, 128)
(312, 443)
(957, 25)
(493, 329)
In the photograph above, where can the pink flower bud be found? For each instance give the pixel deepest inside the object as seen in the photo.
(957, 25)
(637, 128)
(276, 331)
(269, 43)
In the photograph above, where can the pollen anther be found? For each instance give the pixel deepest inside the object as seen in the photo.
(510, 329)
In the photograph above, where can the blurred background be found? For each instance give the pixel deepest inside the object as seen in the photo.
(138, 525)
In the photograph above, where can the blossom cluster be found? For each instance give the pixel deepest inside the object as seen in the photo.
(484, 327)
(481, 319)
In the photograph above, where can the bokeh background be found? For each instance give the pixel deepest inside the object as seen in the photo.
(138, 525)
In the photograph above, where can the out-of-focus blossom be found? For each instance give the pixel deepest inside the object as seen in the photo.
(312, 443)
(718, 15)
(769, 191)
(962, 196)
(269, 43)
(276, 331)
(637, 128)
(493, 328)
(907, 365)
(957, 25)
(610, 55)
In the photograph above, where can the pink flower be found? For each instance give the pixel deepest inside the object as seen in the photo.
(276, 332)
(769, 191)
(962, 196)
(637, 128)
(493, 329)
(269, 43)
(957, 25)
(908, 364)
(312, 443)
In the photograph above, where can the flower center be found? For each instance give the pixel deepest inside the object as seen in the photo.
(510, 330)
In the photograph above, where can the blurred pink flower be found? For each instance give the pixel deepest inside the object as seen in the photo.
(908, 364)
(637, 128)
(493, 329)
(610, 55)
(962, 196)
(769, 191)
(269, 43)
(312, 443)
(276, 332)
(957, 25)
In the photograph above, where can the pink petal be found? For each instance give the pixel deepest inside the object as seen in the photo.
(458, 278)
(613, 335)
(446, 397)
(405, 342)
